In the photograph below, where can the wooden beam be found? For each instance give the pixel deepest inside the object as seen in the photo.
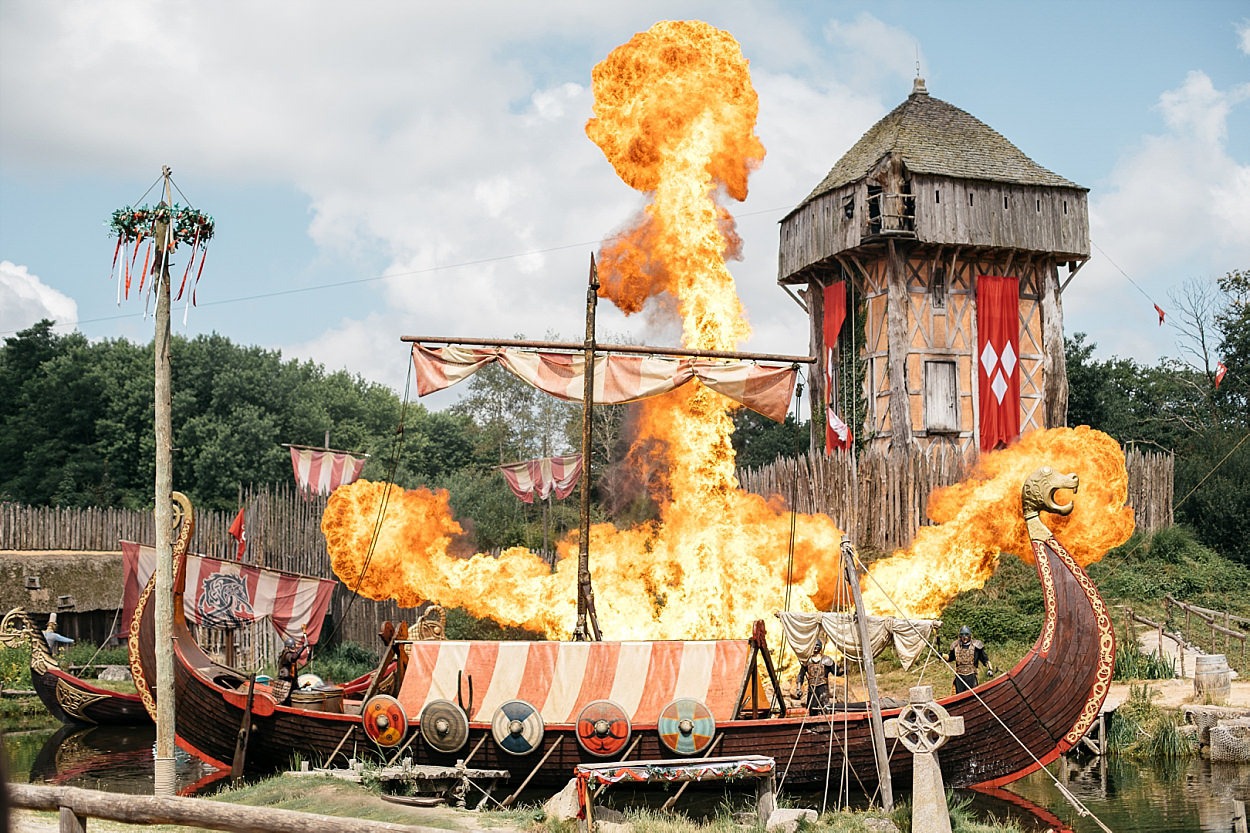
(188, 812)
(614, 348)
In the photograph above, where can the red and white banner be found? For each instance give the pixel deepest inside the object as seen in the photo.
(539, 478)
(619, 378)
(837, 433)
(324, 471)
(998, 352)
(561, 678)
(227, 594)
(1220, 370)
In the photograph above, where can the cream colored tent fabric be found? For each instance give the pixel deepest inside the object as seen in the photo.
(907, 636)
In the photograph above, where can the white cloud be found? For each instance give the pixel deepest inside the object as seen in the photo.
(1176, 207)
(1243, 37)
(25, 300)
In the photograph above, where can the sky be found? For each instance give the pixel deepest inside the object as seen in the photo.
(409, 168)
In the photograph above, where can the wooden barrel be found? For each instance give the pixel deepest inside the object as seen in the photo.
(1212, 679)
(311, 699)
(333, 698)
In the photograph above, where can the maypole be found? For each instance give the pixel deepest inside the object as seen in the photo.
(163, 227)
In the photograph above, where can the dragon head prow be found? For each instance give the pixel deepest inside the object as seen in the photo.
(1038, 493)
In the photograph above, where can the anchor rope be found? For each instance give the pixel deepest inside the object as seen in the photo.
(1072, 799)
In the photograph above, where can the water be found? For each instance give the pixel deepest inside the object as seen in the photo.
(112, 758)
(1192, 796)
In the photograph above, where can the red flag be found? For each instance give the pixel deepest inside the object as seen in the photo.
(998, 368)
(837, 433)
(239, 534)
(1159, 310)
(1220, 370)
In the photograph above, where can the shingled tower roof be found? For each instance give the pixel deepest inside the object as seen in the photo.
(933, 137)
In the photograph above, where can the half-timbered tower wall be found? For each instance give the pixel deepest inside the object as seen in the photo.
(939, 322)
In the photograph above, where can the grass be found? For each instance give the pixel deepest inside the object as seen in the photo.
(1141, 730)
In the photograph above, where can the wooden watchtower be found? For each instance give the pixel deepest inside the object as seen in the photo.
(926, 213)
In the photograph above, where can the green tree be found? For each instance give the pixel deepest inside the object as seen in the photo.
(758, 440)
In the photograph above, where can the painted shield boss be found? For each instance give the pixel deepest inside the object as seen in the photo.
(518, 727)
(603, 728)
(384, 720)
(686, 726)
(444, 725)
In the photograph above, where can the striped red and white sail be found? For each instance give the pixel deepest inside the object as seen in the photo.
(619, 378)
(293, 602)
(560, 678)
(324, 471)
(539, 478)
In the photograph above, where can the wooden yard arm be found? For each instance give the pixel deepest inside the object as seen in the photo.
(77, 805)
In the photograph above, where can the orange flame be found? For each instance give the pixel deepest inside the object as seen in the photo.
(674, 114)
(980, 517)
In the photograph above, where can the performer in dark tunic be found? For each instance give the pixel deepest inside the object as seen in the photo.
(817, 669)
(967, 654)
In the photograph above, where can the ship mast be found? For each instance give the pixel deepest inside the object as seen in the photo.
(586, 615)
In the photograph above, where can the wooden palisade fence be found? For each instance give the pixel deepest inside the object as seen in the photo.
(880, 497)
(884, 492)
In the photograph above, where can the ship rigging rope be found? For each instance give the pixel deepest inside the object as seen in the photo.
(391, 467)
(1072, 799)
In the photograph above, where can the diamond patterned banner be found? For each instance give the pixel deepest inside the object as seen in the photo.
(998, 380)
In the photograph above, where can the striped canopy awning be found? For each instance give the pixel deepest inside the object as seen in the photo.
(560, 678)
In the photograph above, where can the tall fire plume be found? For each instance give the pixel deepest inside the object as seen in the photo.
(674, 114)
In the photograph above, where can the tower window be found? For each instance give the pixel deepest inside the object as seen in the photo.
(941, 397)
(1039, 206)
(937, 195)
(1004, 202)
(969, 198)
(937, 287)
(848, 206)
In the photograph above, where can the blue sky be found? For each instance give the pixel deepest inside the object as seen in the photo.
(392, 168)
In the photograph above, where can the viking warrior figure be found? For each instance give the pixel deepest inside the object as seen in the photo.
(294, 654)
(967, 653)
(816, 670)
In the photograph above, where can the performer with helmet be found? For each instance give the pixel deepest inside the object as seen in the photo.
(816, 670)
(967, 654)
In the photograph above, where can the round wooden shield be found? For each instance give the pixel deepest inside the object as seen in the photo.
(686, 726)
(444, 725)
(518, 727)
(603, 728)
(384, 720)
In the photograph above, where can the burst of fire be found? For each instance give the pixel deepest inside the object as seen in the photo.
(675, 113)
(980, 517)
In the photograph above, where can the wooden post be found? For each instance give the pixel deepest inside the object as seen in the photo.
(898, 346)
(587, 626)
(870, 675)
(163, 497)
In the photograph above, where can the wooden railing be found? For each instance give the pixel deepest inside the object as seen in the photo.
(1181, 645)
(1212, 619)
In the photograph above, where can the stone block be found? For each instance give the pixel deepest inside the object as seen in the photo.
(786, 819)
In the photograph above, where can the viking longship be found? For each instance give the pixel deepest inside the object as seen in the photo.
(537, 709)
(69, 698)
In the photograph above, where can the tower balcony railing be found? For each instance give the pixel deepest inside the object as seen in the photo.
(890, 215)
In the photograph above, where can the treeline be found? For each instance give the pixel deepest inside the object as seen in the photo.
(76, 429)
(1196, 405)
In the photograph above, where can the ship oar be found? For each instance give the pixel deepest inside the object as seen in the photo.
(245, 733)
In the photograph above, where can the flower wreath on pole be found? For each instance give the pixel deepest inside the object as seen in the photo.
(135, 226)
